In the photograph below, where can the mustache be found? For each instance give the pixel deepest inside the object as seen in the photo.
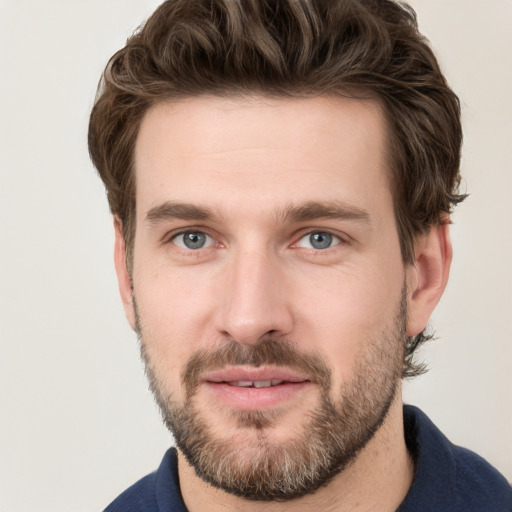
(269, 352)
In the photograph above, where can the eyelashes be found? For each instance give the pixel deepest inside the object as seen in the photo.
(195, 240)
(318, 240)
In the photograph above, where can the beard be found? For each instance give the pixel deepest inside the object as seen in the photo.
(256, 467)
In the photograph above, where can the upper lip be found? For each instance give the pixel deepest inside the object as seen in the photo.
(248, 373)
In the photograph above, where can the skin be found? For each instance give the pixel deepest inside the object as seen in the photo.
(248, 160)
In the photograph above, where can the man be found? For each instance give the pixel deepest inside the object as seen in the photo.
(281, 176)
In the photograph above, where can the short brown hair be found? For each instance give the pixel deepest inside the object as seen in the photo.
(288, 48)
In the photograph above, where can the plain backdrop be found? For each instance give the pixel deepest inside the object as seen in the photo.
(77, 424)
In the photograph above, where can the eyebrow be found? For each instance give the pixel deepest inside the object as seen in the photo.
(170, 210)
(312, 210)
(325, 210)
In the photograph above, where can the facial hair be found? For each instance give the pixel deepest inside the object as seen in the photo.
(334, 432)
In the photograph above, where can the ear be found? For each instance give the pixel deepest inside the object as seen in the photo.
(123, 276)
(427, 276)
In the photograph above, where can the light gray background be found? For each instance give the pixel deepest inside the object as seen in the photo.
(77, 424)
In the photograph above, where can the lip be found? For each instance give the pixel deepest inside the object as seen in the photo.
(217, 383)
(245, 373)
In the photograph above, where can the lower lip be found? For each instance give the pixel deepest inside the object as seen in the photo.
(253, 399)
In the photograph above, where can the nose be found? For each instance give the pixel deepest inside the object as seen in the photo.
(254, 304)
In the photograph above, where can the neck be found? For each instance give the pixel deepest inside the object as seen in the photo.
(377, 480)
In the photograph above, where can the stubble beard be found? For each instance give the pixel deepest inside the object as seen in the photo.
(334, 431)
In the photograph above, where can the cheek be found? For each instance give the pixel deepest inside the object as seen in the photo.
(173, 300)
(346, 313)
(174, 311)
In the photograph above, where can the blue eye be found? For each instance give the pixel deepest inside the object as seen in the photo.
(193, 240)
(318, 240)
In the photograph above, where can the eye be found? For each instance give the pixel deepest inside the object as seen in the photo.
(318, 240)
(192, 240)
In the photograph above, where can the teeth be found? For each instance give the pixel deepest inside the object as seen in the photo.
(262, 383)
(256, 383)
(242, 383)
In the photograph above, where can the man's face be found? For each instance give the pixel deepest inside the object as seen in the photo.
(269, 285)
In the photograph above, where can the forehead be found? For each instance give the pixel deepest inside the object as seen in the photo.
(261, 152)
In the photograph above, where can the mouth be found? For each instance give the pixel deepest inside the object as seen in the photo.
(255, 388)
(256, 383)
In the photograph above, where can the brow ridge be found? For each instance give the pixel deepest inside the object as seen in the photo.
(311, 210)
(325, 210)
(170, 210)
